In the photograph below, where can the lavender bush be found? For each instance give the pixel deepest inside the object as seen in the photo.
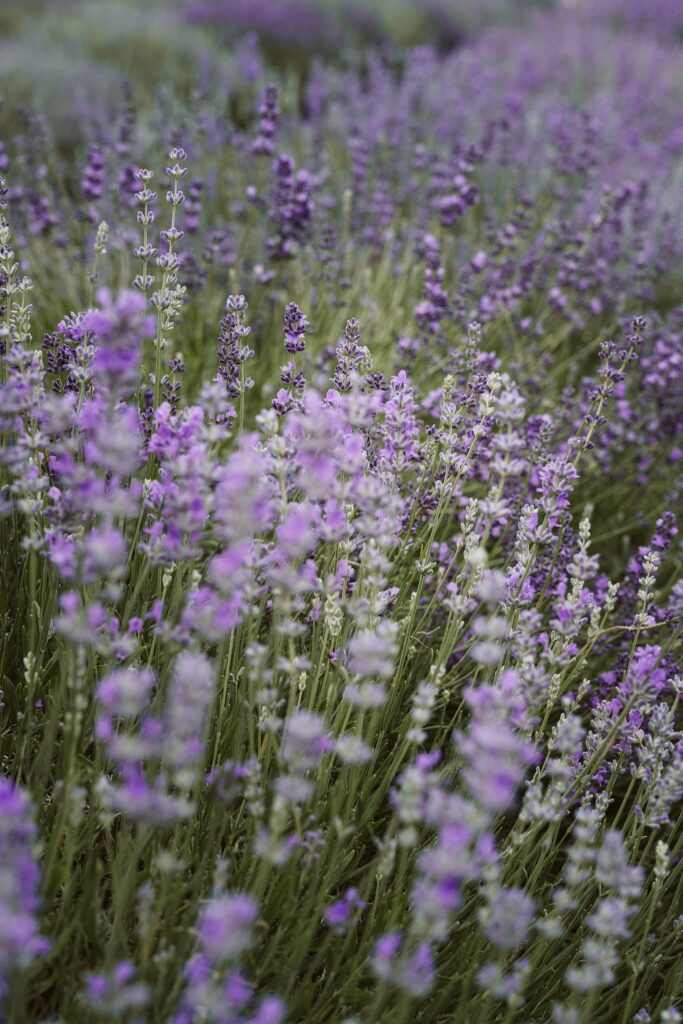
(341, 589)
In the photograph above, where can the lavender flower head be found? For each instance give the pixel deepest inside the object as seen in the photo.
(20, 941)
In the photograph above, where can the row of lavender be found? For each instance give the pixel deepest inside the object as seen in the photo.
(331, 27)
(176, 46)
(341, 658)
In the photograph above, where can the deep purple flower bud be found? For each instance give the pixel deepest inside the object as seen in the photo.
(269, 113)
(232, 353)
(351, 356)
(94, 175)
(290, 209)
(343, 913)
(295, 328)
(193, 206)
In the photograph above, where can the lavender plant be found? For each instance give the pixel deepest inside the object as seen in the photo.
(341, 592)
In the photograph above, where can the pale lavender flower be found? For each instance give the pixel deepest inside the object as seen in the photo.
(497, 759)
(304, 741)
(372, 651)
(506, 917)
(116, 993)
(189, 700)
(20, 941)
(225, 927)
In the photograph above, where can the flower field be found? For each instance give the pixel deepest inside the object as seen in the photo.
(341, 472)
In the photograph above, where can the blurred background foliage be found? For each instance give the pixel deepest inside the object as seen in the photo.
(69, 58)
